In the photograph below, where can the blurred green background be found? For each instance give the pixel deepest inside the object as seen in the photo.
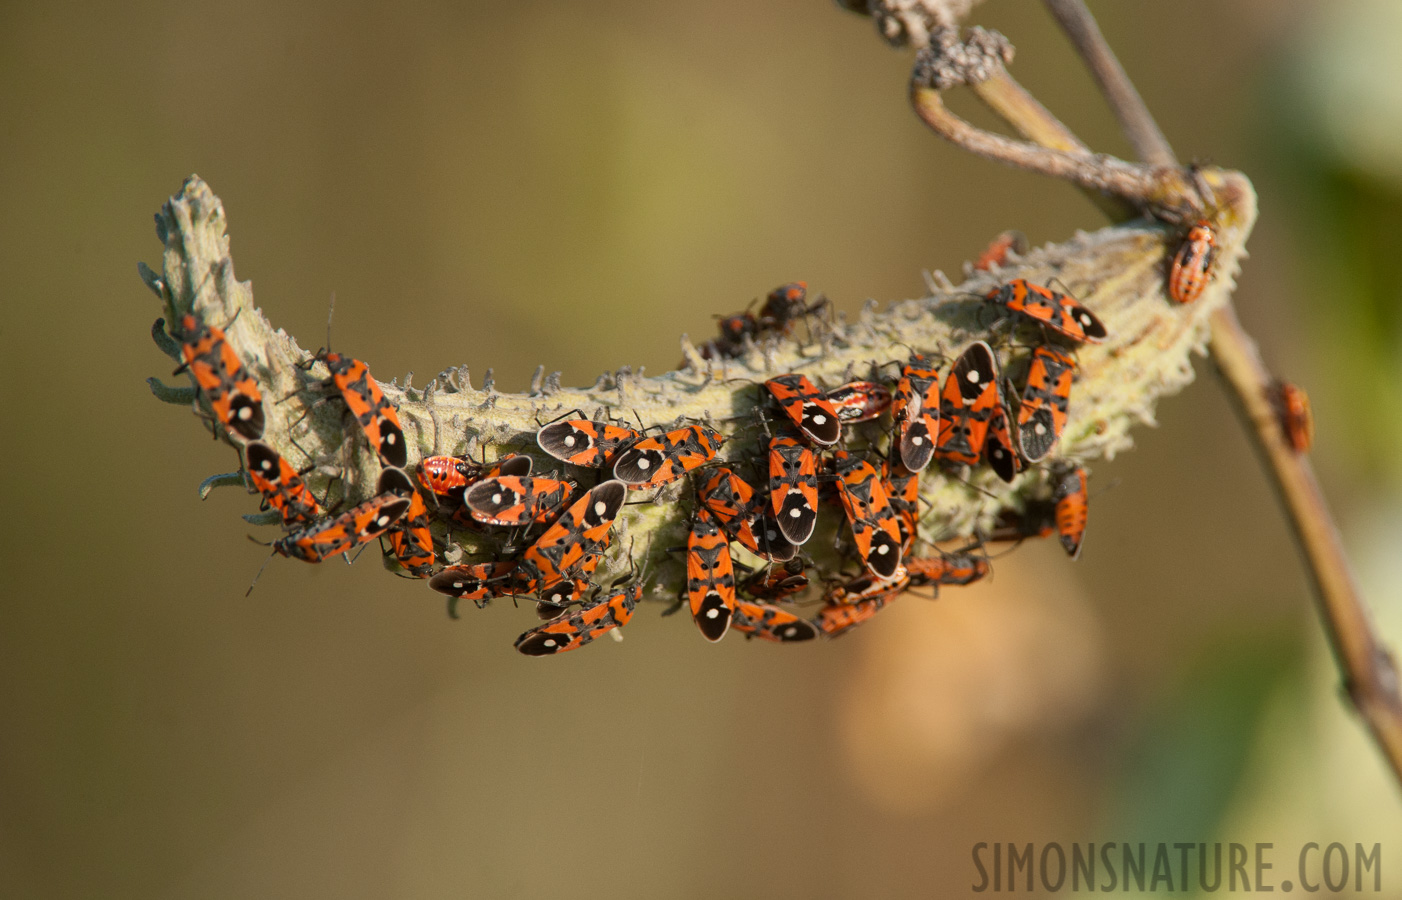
(506, 184)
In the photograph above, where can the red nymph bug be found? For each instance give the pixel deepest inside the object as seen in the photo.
(409, 538)
(808, 407)
(1292, 406)
(1071, 502)
(793, 488)
(513, 500)
(998, 443)
(366, 401)
(364, 523)
(866, 586)
(570, 630)
(446, 475)
(232, 392)
(1049, 308)
(869, 512)
(837, 619)
(278, 482)
(659, 460)
(777, 582)
(770, 623)
(953, 568)
(572, 545)
(970, 395)
(859, 401)
(1041, 412)
(915, 409)
(1192, 264)
(582, 442)
(478, 582)
(997, 252)
(851, 604)
(710, 577)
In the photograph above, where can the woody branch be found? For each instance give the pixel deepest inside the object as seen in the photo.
(1115, 270)
(1368, 667)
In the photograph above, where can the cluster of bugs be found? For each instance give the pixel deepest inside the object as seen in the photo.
(782, 307)
(860, 447)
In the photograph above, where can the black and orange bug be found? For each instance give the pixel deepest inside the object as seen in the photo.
(729, 498)
(869, 512)
(777, 582)
(363, 396)
(513, 465)
(770, 623)
(733, 332)
(232, 392)
(742, 516)
(998, 446)
(785, 305)
(516, 465)
(1052, 309)
(769, 540)
(571, 630)
(915, 410)
(1036, 520)
(410, 539)
(859, 401)
(950, 569)
(1071, 500)
(710, 576)
(513, 500)
(903, 490)
(573, 544)
(659, 460)
(282, 488)
(782, 307)
(971, 393)
(1042, 409)
(583, 442)
(1192, 264)
(1292, 406)
(560, 594)
(350, 529)
(808, 407)
(478, 582)
(793, 488)
(997, 251)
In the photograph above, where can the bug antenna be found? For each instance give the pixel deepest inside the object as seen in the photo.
(259, 573)
(330, 311)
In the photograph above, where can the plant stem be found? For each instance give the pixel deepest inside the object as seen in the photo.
(1138, 124)
(1369, 670)
(1368, 667)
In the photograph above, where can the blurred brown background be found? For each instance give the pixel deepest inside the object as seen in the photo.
(506, 184)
